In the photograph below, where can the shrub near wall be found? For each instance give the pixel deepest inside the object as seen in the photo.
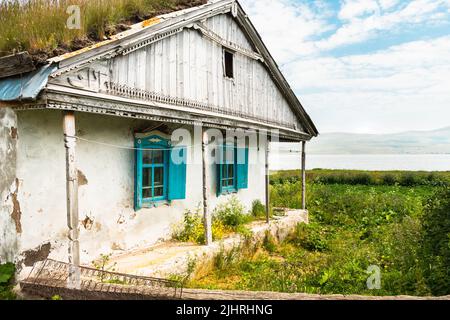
(7, 272)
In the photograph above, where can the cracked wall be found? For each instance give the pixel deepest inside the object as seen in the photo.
(10, 212)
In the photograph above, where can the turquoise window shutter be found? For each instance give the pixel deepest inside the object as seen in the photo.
(138, 176)
(242, 168)
(220, 160)
(177, 173)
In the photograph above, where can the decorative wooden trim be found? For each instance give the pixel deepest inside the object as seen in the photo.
(208, 33)
(150, 41)
(125, 91)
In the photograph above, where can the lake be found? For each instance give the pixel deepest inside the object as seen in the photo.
(410, 162)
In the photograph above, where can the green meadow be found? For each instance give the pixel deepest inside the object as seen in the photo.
(396, 221)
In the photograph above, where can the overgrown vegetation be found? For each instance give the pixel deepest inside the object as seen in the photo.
(39, 26)
(404, 230)
(435, 250)
(7, 272)
(192, 228)
(228, 217)
(372, 178)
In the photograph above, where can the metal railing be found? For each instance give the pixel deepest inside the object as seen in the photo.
(50, 277)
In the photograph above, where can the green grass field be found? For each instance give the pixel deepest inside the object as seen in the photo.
(401, 226)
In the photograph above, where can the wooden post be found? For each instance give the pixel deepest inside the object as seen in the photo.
(304, 175)
(72, 199)
(267, 183)
(206, 215)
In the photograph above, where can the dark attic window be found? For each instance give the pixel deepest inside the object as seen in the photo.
(228, 63)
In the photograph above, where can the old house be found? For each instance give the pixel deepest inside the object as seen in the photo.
(109, 145)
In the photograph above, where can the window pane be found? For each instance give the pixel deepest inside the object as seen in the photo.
(229, 154)
(147, 193)
(231, 182)
(159, 176)
(230, 171)
(158, 156)
(152, 156)
(224, 171)
(159, 191)
(146, 177)
(228, 56)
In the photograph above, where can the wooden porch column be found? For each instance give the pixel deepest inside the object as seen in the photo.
(72, 199)
(304, 175)
(206, 215)
(267, 183)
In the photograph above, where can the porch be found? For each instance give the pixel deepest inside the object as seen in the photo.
(171, 258)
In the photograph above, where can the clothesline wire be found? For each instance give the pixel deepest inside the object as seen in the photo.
(157, 149)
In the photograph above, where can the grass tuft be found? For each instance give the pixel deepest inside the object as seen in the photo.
(39, 26)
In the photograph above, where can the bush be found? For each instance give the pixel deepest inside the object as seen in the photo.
(232, 213)
(388, 179)
(258, 209)
(7, 272)
(311, 237)
(436, 243)
(193, 230)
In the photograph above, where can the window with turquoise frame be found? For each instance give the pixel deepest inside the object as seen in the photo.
(232, 169)
(160, 171)
(228, 174)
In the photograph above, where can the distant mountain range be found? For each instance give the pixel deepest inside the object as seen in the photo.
(412, 142)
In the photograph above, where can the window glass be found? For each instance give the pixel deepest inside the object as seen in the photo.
(147, 177)
(228, 56)
(152, 156)
(228, 176)
(154, 170)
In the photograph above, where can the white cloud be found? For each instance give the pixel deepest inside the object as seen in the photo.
(356, 8)
(402, 88)
(360, 28)
(387, 4)
(287, 27)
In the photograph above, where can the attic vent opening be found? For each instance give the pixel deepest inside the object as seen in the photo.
(228, 64)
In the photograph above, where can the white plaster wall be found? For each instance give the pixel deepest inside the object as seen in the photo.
(41, 172)
(107, 197)
(9, 229)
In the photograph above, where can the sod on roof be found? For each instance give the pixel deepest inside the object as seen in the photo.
(40, 26)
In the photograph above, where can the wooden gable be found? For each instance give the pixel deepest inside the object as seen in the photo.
(185, 67)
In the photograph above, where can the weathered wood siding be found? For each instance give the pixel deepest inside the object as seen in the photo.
(189, 65)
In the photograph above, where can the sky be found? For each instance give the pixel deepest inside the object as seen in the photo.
(362, 66)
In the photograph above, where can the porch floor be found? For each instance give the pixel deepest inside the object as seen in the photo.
(171, 257)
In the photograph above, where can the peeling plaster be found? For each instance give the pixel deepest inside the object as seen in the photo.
(16, 213)
(39, 254)
(87, 223)
(10, 212)
(82, 180)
